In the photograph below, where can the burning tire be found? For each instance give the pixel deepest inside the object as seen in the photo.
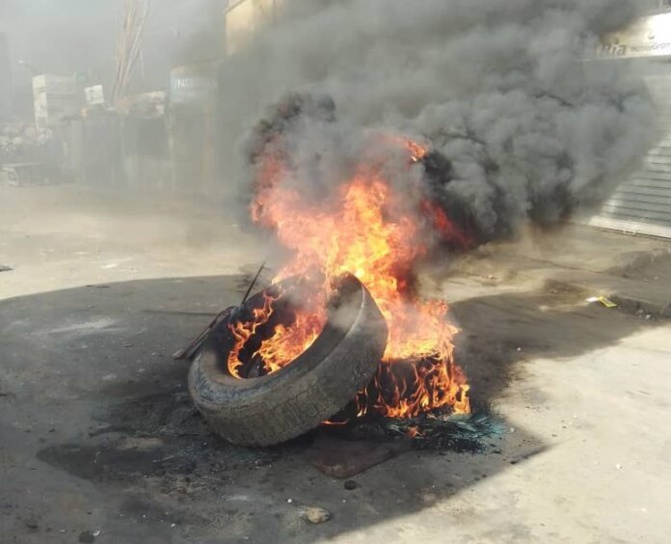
(266, 410)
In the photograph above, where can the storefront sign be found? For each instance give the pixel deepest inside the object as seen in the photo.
(647, 37)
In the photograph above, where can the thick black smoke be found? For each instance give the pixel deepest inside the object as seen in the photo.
(523, 126)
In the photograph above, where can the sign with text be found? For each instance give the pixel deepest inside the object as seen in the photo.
(95, 96)
(647, 37)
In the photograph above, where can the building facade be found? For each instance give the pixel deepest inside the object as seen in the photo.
(642, 204)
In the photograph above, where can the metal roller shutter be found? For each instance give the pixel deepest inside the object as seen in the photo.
(643, 203)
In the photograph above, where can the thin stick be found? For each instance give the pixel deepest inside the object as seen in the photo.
(189, 351)
(251, 285)
(129, 44)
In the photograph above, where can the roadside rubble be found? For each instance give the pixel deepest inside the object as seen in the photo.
(630, 296)
(315, 515)
(88, 537)
(597, 266)
(604, 301)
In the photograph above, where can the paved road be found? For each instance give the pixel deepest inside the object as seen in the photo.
(98, 434)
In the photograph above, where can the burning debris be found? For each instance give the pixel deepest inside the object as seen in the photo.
(249, 402)
(434, 431)
(369, 230)
(376, 223)
(531, 135)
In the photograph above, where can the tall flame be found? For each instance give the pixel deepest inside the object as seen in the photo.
(369, 230)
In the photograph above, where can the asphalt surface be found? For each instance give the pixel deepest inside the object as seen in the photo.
(99, 440)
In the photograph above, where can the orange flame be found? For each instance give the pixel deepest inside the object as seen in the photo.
(369, 230)
(288, 340)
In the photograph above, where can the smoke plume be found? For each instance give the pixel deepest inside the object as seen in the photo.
(523, 124)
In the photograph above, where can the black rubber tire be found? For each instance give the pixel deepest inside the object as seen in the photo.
(314, 387)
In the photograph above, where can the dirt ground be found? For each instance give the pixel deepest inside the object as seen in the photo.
(99, 440)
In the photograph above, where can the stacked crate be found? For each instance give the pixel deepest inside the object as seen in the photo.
(55, 97)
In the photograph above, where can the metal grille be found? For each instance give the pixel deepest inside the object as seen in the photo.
(643, 203)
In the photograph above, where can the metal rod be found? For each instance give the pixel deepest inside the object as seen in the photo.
(251, 285)
(189, 351)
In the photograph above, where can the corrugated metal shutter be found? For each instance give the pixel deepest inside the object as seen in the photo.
(643, 203)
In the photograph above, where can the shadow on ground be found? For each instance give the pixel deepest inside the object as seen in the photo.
(98, 432)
